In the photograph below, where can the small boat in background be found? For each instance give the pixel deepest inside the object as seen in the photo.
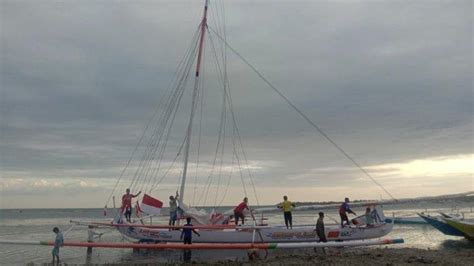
(420, 220)
(465, 227)
(450, 226)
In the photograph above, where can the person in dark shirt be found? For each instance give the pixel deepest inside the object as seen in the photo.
(343, 210)
(320, 228)
(187, 233)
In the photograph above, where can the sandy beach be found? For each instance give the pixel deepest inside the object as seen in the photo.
(372, 256)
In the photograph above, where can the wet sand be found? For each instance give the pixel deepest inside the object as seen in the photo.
(372, 256)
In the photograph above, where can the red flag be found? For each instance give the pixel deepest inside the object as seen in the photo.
(151, 205)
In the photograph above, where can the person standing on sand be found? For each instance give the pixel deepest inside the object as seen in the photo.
(91, 235)
(343, 210)
(320, 228)
(127, 204)
(239, 211)
(58, 242)
(187, 233)
(286, 206)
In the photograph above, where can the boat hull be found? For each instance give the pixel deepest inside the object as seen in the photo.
(266, 235)
(465, 227)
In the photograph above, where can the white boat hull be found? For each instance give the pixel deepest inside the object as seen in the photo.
(278, 234)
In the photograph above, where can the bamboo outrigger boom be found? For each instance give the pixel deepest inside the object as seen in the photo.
(212, 246)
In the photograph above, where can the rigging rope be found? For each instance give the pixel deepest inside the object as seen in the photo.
(174, 110)
(169, 168)
(182, 67)
(165, 124)
(287, 100)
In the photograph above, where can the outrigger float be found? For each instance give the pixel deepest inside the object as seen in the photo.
(211, 246)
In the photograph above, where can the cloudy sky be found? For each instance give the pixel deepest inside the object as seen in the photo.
(389, 81)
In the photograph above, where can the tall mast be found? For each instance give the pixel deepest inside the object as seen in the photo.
(193, 104)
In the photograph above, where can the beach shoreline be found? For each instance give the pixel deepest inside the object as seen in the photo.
(363, 256)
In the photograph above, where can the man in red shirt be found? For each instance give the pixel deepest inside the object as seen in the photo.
(127, 204)
(239, 211)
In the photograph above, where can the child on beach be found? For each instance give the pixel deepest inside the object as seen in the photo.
(58, 242)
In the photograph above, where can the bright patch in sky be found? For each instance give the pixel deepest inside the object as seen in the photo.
(436, 166)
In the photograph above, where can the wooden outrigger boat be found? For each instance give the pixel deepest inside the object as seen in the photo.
(214, 234)
(212, 230)
(264, 234)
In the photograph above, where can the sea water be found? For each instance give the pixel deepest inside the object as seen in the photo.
(37, 224)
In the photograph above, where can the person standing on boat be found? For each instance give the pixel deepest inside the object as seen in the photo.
(58, 242)
(127, 204)
(286, 206)
(369, 219)
(173, 209)
(343, 210)
(227, 220)
(320, 228)
(239, 211)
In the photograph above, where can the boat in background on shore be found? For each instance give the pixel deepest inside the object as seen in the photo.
(450, 225)
(466, 227)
